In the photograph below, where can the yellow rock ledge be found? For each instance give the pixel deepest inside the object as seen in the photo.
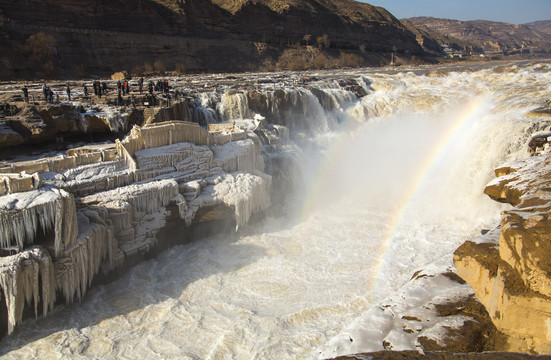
(511, 277)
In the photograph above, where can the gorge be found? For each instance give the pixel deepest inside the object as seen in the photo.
(385, 176)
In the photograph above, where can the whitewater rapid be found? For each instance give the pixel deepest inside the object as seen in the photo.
(394, 181)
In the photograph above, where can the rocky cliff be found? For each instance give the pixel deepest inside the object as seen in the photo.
(68, 39)
(511, 275)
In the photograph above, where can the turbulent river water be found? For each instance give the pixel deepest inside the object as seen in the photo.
(394, 181)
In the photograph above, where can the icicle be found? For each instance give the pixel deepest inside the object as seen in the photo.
(22, 214)
(66, 227)
(48, 281)
(20, 277)
(64, 275)
(75, 272)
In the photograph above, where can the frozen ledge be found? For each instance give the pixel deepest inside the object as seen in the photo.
(96, 208)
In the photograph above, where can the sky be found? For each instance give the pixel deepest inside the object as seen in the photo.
(510, 11)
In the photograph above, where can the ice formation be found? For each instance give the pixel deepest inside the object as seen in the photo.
(242, 155)
(95, 208)
(245, 193)
(21, 277)
(22, 214)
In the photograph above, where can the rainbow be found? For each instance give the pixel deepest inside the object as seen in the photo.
(457, 127)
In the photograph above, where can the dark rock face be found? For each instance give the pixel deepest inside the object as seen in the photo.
(67, 38)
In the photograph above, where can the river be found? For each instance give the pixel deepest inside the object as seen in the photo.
(394, 181)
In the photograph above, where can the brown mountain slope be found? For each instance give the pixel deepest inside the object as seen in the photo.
(48, 38)
(435, 42)
(543, 26)
(491, 37)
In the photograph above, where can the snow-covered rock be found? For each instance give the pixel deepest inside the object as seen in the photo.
(434, 311)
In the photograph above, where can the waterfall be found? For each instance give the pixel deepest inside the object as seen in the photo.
(394, 164)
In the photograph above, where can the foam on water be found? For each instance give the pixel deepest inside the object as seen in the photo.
(400, 186)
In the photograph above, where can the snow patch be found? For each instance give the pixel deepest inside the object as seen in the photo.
(396, 322)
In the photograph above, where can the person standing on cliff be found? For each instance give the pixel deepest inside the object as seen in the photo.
(25, 93)
(120, 100)
(85, 91)
(45, 92)
(140, 85)
(68, 91)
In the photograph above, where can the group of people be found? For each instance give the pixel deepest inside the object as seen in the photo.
(100, 88)
(123, 87)
(161, 86)
(49, 94)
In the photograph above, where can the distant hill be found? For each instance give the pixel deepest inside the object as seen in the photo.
(543, 26)
(482, 37)
(69, 38)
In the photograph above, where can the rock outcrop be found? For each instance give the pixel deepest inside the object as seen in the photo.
(435, 311)
(511, 275)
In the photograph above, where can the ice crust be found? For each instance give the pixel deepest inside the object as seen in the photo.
(245, 193)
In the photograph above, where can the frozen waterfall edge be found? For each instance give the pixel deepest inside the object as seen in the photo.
(95, 218)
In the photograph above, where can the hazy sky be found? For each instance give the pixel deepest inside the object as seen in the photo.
(511, 11)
